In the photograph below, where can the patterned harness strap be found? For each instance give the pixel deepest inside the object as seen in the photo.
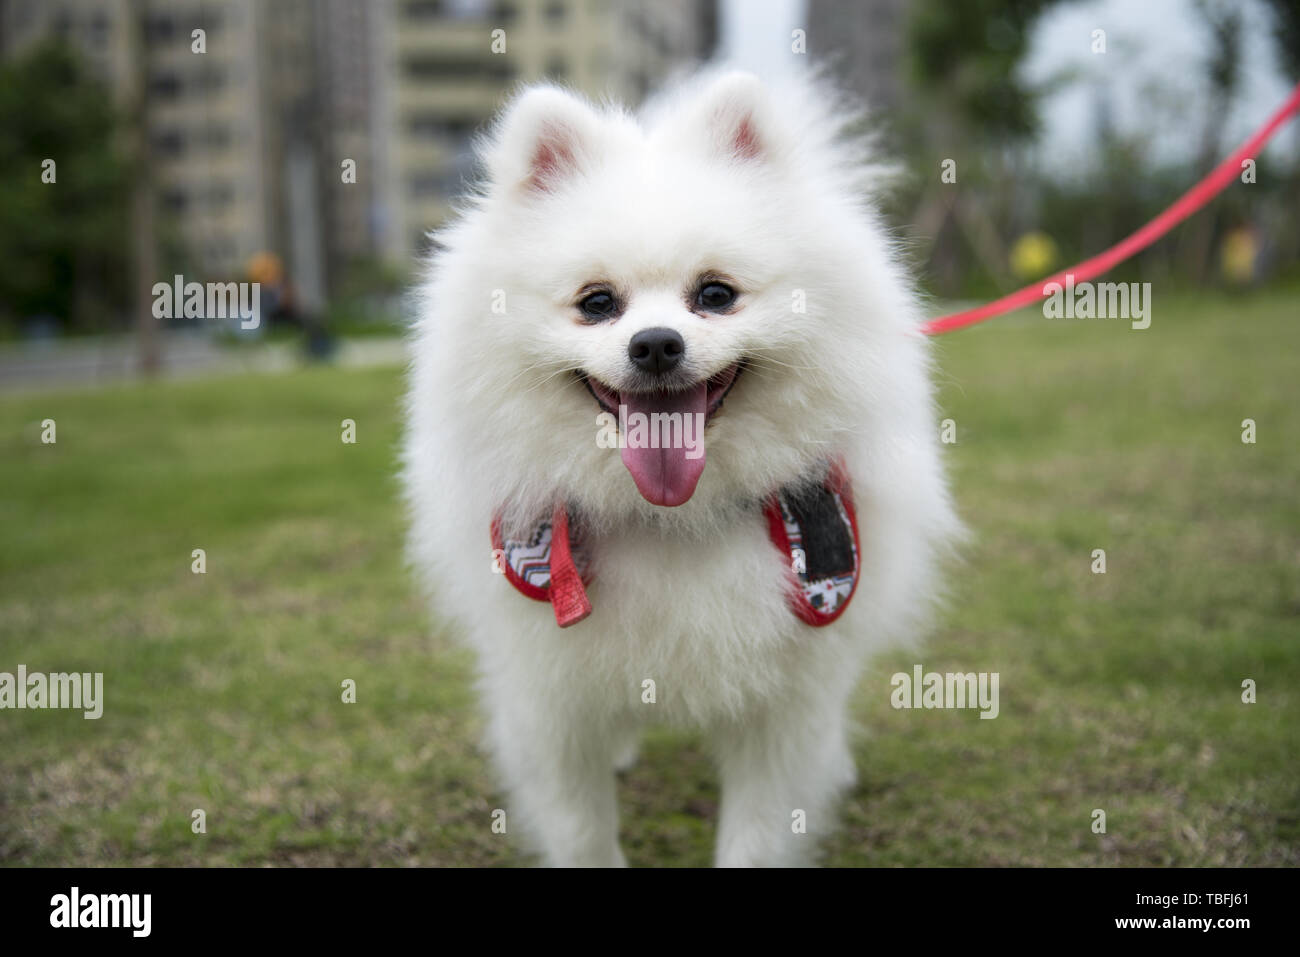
(547, 566)
(816, 527)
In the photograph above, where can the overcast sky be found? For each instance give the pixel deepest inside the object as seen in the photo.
(756, 33)
(1151, 73)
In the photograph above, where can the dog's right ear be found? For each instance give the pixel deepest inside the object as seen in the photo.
(544, 138)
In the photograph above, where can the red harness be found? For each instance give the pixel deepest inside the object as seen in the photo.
(817, 528)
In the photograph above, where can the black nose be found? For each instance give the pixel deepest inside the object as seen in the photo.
(656, 350)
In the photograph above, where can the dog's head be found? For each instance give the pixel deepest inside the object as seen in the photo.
(690, 306)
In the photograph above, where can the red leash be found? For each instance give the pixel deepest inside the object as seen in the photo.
(1188, 203)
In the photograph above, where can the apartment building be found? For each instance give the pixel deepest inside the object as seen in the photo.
(449, 64)
(251, 139)
(204, 123)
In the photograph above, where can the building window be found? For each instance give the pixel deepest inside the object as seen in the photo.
(165, 86)
(557, 67)
(468, 9)
(169, 143)
(440, 128)
(458, 67)
(215, 137)
(209, 80)
(97, 30)
(220, 195)
(557, 11)
(160, 29)
(424, 9)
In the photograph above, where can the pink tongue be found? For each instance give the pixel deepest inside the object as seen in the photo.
(666, 476)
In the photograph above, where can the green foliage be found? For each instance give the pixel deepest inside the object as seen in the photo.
(966, 101)
(1286, 31)
(967, 55)
(63, 249)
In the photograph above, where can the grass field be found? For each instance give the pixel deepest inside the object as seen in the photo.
(1119, 691)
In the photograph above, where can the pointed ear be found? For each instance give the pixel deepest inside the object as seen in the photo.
(734, 115)
(545, 137)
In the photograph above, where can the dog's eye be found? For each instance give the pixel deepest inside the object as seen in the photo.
(599, 305)
(715, 295)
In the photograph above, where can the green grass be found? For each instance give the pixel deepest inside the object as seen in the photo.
(1118, 691)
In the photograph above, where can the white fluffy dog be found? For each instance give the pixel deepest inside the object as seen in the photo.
(617, 270)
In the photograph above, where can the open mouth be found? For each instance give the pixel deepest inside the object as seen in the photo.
(661, 432)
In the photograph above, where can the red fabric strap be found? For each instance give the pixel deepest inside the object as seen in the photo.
(1196, 197)
(568, 597)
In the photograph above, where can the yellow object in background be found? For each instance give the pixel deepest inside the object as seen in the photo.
(265, 268)
(1237, 255)
(1033, 255)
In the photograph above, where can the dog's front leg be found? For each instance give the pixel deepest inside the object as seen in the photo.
(781, 779)
(559, 771)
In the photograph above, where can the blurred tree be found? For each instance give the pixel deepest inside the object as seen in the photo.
(965, 58)
(144, 232)
(1285, 238)
(1223, 71)
(969, 105)
(1222, 21)
(966, 101)
(62, 249)
(1286, 31)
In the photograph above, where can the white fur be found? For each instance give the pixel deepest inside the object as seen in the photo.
(691, 597)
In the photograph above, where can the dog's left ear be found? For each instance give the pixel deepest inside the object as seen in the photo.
(734, 115)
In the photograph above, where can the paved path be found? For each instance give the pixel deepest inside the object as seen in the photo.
(101, 360)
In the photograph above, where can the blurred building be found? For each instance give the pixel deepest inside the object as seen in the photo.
(250, 143)
(204, 113)
(863, 41)
(446, 69)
